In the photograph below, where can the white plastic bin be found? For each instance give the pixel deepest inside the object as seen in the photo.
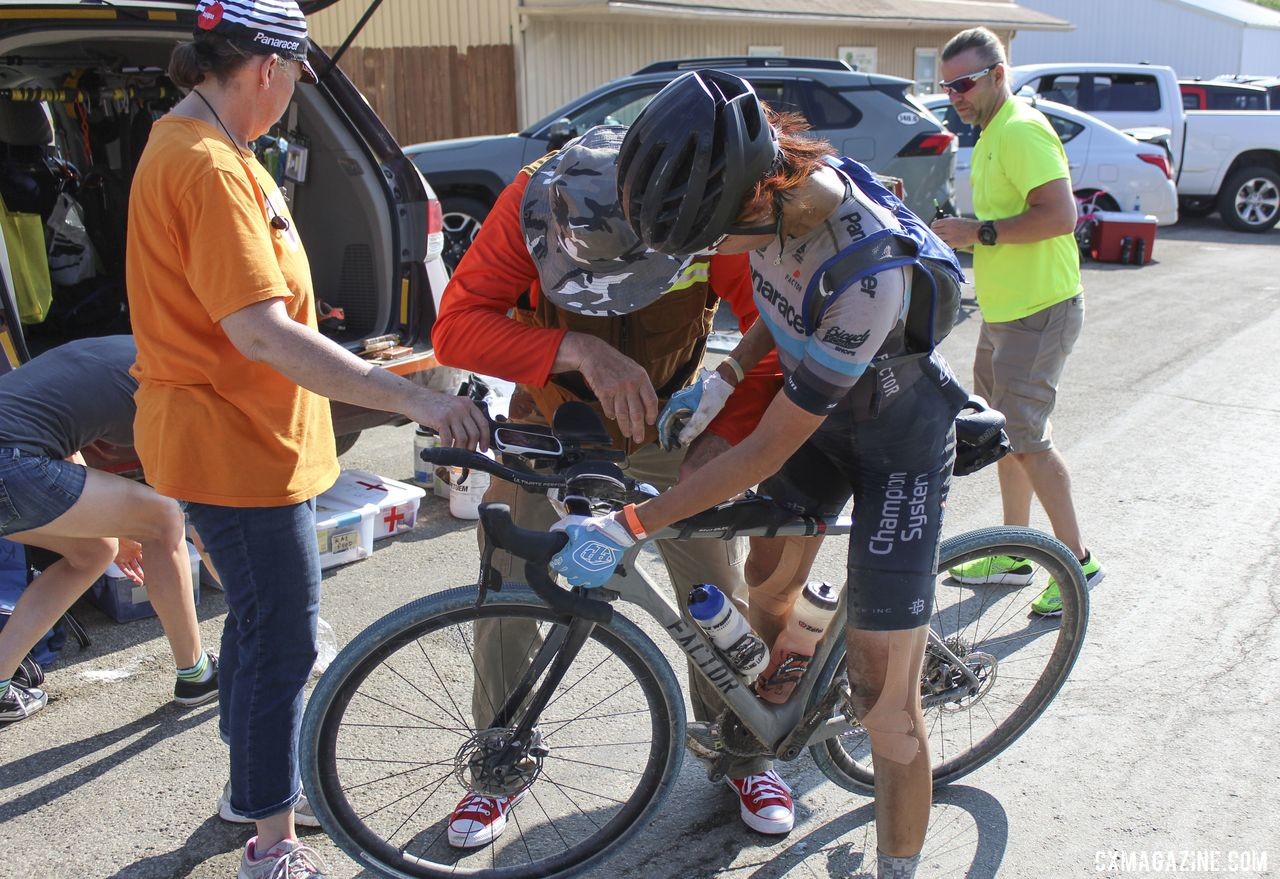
(397, 502)
(344, 533)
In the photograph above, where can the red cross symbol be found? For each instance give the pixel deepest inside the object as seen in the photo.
(372, 486)
(392, 517)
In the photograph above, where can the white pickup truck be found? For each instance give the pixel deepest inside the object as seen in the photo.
(1224, 160)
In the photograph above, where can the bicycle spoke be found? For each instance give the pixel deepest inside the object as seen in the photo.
(607, 728)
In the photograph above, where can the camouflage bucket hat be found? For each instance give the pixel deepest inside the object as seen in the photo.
(588, 259)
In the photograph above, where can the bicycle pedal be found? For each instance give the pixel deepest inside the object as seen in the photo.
(703, 740)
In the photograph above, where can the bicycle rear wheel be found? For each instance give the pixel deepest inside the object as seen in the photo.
(1021, 659)
(388, 740)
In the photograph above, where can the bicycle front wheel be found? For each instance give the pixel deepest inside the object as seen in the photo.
(1020, 660)
(390, 741)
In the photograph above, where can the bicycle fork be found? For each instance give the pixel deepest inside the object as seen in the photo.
(503, 762)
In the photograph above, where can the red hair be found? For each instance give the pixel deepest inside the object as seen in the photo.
(800, 156)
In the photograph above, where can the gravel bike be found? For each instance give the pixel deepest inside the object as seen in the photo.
(586, 724)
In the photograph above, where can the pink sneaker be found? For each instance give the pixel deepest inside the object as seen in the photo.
(478, 820)
(766, 805)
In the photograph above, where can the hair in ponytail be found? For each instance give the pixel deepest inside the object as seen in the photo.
(207, 55)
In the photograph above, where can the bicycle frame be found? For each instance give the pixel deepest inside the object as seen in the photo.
(777, 726)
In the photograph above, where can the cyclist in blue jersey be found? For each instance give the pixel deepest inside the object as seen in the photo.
(866, 409)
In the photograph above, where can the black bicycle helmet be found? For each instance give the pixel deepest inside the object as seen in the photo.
(690, 158)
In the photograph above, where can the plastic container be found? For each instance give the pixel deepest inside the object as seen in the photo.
(1113, 227)
(466, 491)
(798, 641)
(124, 600)
(397, 502)
(729, 630)
(326, 647)
(343, 534)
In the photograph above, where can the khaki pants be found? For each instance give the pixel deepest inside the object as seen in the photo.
(504, 648)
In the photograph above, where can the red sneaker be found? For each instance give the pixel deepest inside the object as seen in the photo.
(478, 820)
(766, 805)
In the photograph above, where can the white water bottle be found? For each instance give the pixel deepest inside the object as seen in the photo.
(798, 641)
(744, 650)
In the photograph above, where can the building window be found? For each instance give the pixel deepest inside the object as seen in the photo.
(926, 71)
(861, 58)
(768, 51)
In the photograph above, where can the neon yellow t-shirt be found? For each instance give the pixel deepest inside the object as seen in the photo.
(1017, 152)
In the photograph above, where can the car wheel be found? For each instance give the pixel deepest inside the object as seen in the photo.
(346, 442)
(1250, 199)
(1191, 206)
(462, 220)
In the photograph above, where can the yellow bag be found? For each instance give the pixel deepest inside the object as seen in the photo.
(28, 264)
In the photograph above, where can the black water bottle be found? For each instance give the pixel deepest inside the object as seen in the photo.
(1140, 252)
(1126, 250)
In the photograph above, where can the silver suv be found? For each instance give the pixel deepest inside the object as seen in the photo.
(866, 116)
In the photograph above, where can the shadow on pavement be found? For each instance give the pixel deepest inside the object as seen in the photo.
(160, 724)
(213, 837)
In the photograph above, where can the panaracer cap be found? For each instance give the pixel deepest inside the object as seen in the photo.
(263, 27)
(588, 259)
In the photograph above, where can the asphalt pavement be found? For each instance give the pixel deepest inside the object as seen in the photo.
(1159, 755)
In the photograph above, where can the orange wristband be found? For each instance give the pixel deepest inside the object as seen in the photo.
(632, 522)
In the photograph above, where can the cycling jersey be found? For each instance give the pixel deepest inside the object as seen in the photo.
(888, 440)
(866, 321)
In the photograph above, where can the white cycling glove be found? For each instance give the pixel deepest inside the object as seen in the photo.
(690, 410)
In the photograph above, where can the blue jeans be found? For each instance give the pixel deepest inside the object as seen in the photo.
(269, 564)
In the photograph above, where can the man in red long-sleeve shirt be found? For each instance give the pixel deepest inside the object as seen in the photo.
(557, 295)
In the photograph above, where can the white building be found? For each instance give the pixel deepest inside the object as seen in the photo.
(1197, 38)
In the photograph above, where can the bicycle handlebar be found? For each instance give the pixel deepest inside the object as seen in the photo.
(537, 548)
(476, 461)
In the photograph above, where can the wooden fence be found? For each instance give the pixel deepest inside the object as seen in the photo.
(436, 92)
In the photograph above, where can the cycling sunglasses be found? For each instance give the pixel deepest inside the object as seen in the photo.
(964, 84)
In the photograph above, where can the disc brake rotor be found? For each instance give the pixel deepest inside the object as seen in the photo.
(480, 767)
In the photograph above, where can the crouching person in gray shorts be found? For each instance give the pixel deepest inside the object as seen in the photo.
(50, 408)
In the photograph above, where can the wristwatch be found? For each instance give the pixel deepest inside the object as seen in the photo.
(987, 233)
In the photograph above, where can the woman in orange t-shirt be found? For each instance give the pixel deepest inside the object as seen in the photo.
(233, 379)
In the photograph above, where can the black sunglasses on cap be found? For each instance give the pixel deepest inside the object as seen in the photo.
(963, 84)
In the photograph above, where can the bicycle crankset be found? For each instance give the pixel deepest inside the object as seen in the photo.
(944, 678)
(492, 764)
(722, 742)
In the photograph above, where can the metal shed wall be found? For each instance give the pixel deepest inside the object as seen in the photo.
(1260, 53)
(1190, 41)
(457, 23)
(564, 58)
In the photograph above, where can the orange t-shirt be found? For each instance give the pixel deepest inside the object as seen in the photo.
(213, 426)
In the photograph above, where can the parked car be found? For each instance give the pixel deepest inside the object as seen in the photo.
(1200, 94)
(371, 225)
(1123, 173)
(1223, 160)
(1270, 83)
(869, 117)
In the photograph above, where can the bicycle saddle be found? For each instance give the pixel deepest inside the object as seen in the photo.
(977, 422)
(980, 437)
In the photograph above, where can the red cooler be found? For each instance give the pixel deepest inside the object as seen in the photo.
(1111, 230)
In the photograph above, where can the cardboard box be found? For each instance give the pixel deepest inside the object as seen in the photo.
(343, 533)
(1112, 227)
(123, 600)
(397, 502)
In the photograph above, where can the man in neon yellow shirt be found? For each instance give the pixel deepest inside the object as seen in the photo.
(1026, 269)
